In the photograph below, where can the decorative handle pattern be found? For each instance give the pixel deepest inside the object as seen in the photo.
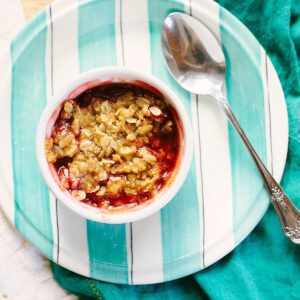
(288, 214)
(293, 232)
(278, 196)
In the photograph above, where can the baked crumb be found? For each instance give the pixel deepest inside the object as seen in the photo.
(110, 143)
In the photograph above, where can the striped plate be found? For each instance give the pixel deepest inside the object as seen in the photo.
(223, 197)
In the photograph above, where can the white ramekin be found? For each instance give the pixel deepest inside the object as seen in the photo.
(76, 87)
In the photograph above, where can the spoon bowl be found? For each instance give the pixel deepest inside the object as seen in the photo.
(193, 55)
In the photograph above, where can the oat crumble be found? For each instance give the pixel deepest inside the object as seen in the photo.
(114, 145)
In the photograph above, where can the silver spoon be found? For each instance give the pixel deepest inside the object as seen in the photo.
(196, 61)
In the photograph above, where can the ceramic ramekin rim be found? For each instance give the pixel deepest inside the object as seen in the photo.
(164, 197)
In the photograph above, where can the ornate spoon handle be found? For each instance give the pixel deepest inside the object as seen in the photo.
(288, 214)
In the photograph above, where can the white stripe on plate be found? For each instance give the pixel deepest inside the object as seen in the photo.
(65, 51)
(6, 172)
(144, 248)
(279, 121)
(198, 163)
(49, 96)
(134, 28)
(146, 260)
(119, 31)
(215, 162)
(265, 79)
(69, 230)
(72, 240)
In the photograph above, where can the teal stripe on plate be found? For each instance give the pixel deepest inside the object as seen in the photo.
(181, 235)
(245, 93)
(96, 31)
(32, 209)
(97, 48)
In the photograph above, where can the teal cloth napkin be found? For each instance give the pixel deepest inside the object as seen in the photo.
(266, 265)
